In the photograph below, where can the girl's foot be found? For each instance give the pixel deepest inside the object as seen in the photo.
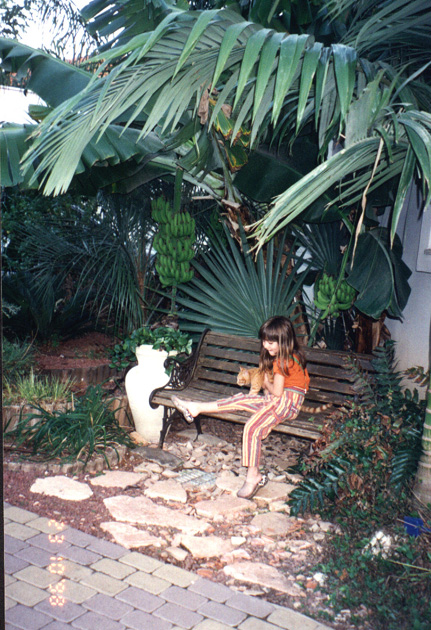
(250, 487)
(186, 407)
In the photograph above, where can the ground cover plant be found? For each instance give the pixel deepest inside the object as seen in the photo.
(87, 428)
(388, 583)
(361, 474)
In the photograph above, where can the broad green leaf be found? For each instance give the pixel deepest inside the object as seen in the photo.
(265, 70)
(230, 37)
(50, 78)
(345, 65)
(251, 55)
(321, 74)
(198, 28)
(403, 186)
(372, 276)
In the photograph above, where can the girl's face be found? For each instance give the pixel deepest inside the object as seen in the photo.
(271, 347)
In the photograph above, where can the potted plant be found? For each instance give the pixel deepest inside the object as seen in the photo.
(151, 348)
(163, 338)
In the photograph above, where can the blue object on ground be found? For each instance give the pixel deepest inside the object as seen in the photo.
(414, 526)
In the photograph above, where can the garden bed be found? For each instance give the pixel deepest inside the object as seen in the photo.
(84, 359)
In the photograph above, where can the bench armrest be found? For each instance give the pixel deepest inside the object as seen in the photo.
(181, 374)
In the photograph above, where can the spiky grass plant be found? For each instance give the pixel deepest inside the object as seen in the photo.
(78, 433)
(34, 388)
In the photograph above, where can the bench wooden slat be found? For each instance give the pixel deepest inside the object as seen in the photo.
(232, 341)
(212, 372)
(239, 358)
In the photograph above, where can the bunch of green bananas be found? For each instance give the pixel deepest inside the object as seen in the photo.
(173, 243)
(329, 295)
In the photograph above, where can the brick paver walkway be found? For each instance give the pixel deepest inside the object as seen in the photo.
(59, 578)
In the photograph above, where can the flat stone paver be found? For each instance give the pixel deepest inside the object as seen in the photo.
(59, 579)
(143, 511)
(274, 491)
(272, 524)
(259, 573)
(226, 507)
(158, 455)
(117, 479)
(62, 487)
(206, 546)
(169, 490)
(132, 537)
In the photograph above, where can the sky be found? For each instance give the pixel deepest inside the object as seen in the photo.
(13, 102)
(39, 32)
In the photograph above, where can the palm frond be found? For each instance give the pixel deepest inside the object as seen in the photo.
(171, 67)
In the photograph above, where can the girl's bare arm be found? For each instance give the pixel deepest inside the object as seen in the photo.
(276, 388)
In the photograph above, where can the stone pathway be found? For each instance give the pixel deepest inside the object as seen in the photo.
(59, 578)
(185, 505)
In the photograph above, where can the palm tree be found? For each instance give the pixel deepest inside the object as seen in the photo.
(352, 95)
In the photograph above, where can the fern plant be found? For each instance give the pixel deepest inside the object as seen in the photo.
(369, 450)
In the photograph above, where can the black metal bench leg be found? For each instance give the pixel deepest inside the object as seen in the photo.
(168, 418)
(198, 427)
(167, 421)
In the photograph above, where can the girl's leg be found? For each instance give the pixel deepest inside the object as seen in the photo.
(258, 428)
(239, 401)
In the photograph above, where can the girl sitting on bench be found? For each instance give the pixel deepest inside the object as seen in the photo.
(279, 354)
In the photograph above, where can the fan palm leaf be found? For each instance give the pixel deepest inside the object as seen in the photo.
(243, 293)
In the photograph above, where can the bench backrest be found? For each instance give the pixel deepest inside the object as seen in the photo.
(220, 356)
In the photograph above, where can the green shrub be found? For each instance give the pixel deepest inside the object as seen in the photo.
(392, 593)
(368, 451)
(73, 434)
(17, 358)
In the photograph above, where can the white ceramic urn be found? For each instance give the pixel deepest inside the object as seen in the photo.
(140, 382)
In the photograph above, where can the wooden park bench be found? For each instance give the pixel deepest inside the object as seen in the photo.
(211, 372)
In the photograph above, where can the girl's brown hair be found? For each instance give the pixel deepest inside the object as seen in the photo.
(280, 329)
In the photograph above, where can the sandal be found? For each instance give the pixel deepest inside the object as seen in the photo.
(260, 484)
(179, 406)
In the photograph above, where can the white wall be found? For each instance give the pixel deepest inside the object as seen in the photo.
(413, 334)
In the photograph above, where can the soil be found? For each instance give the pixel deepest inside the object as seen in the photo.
(88, 350)
(91, 350)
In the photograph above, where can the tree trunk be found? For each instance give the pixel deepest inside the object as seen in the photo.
(370, 333)
(422, 489)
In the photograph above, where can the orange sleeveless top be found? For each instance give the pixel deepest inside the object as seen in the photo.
(297, 377)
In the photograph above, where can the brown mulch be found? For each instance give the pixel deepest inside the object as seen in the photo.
(88, 350)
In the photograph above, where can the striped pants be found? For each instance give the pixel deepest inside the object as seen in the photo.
(268, 411)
